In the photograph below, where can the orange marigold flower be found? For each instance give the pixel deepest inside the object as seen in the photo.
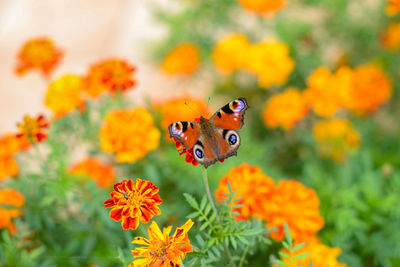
(263, 7)
(129, 133)
(391, 37)
(110, 75)
(11, 144)
(8, 167)
(298, 206)
(285, 109)
(160, 249)
(321, 255)
(252, 186)
(32, 128)
(102, 173)
(183, 59)
(40, 54)
(271, 62)
(231, 53)
(132, 202)
(393, 7)
(65, 94)
(10, 202)
(335, 138)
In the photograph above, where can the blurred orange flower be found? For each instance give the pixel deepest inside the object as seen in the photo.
(102, 173)
(40, 54)
(8, 167)
(32, 128)
(335, 137)
(252, 186)
(65, 94)
(393, 7)
(298, 206)
(262, 7)
(9, 146)
(129, 133)
(391, 37)
(160, 249)
(109, 75)
(183, 59)
(10, 202)
(271, 62)
(132, 202)
(321, 255)
(285, 109)
(231, 53)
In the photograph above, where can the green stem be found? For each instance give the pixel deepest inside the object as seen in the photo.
(244, 256)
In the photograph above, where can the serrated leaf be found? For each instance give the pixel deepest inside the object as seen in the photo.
(287, 233)
(284, 255)
(193, 215)
(286, 245)
(233, 242)
(299, 246)
(302, 256)
(203, 226)
(192, 202)
(203, 203)
(207, 210)
(243, 240)
(281, 263)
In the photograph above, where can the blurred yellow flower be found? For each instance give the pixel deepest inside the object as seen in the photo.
(38, 54)
(262, 7)
(10, 203)
(33, 128)
(65, 94)
(335, 138)
(298, 206)
(270, 61)
(102, 173)
(393, 7)
(231, 53)
(285, 109)
(160, 249)
(254, 187)
(183, 59)
(391, 37)
(321, 255)
(130, 134)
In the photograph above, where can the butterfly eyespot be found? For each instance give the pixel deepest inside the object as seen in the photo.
(199, 153)
(232, 139)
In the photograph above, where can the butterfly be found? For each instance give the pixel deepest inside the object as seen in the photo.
(213, 139)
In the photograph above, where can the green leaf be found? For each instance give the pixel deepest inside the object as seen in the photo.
(299, 246)
(284, 255)
(203, 203)
(281, 263)
(192, 202)
(302, 256)
(287, 233)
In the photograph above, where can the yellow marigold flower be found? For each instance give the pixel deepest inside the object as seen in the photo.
(335, 137)
(298, 206)
(321, 255)
(65, 94)
(32, 128)
(252, 185)
(271, 62)
(129, 133)
(391, 37)
(393, 7)
(102, 173)
(183, 59)
(132, 202)
(40, 54)
(109, 75)
(160, 249)
(285, 109)
(10, 202)
(231, 53)
(262, 7)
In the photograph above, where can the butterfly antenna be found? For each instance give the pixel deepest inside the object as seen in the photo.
(190, 108)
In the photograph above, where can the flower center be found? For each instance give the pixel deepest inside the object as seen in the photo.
(159, 251)
(133, 198)
(29, 127)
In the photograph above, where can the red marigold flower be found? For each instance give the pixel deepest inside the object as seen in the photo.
(133, 201)
(102, 173)
(10, 202)
(40, 54)
(33, 128)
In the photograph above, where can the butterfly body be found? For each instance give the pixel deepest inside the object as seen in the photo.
(213, 139)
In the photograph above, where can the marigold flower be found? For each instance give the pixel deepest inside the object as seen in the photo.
(102, 173)
(393, 7)
(297, 205)
(183, 59)
(160, 249)
(262, 7)
(110, 75)
(285, 109)
(129, 133)
(65, 94)
(321, 255)
(40, 54)
(132, 202)
(231, 53)
(8, 167)
(11, 144)
(335, 137)
(252, 185)
(271, 62)
(391, 37)
(10, 202)
(32, 128)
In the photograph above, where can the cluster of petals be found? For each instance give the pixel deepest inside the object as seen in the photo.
(263, 7)
(161, 249)
(10, 203)
(184, 59)
(129, 133)
(335, 138)
(133, 202)
(95, 170)
(65, 94)
(391, 37)
(9, 146)
(285, 109)
(39, 54)
(393, 7)
(33, 128)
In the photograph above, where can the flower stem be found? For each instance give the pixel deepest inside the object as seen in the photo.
(244, 256)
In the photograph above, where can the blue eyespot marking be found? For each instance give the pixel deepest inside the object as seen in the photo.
(238, 105)
(199, 153)
(232, 139)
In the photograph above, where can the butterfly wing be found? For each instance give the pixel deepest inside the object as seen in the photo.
(186, 132)
(230, 116)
